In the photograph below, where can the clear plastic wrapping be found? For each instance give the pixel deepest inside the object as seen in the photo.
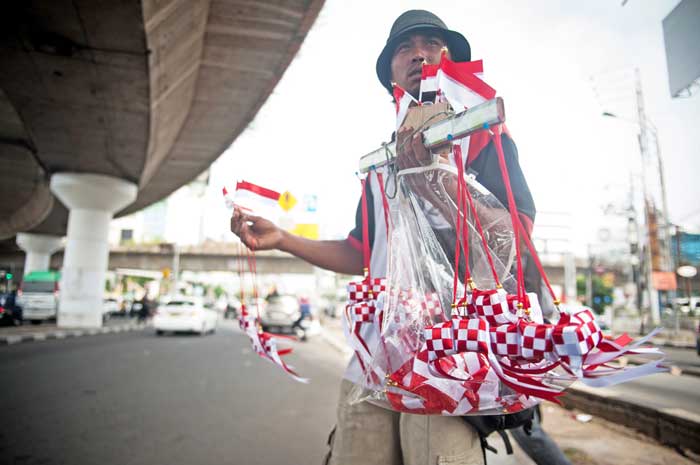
(420, 293)
(432, 341)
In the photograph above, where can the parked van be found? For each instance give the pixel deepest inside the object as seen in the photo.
(38, 296)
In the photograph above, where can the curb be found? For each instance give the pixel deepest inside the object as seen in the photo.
(675, 345)
(66, 334)
(674, 427)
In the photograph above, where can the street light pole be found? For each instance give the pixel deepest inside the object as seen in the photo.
(589, 278)
(644, 126)
(664, 201)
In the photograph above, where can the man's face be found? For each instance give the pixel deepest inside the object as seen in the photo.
(410, 53)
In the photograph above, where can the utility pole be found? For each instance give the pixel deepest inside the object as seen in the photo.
(679, 262)
(649, 204)
(656, 249)
(589, 278)
(176, 270)
(569, 277)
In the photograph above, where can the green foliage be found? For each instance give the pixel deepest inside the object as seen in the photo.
(140, 280)
(602, 294)
(219, 291)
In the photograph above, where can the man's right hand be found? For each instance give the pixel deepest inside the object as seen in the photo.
(256, 232)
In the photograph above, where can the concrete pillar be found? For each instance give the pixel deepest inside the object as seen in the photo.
(92, 200)
(38, 249)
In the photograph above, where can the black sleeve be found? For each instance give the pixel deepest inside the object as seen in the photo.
(357, 230)
(489, 175)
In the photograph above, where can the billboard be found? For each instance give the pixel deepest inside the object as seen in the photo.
(681, 36)
(664, 280)
(689, 249)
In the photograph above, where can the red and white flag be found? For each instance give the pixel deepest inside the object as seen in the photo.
(462, 84)
(254, 199)
(428, 80)
(403, 101)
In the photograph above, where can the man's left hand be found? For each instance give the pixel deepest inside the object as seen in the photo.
(412, 152)
(410, 149)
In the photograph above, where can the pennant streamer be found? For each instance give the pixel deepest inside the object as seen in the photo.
(264, 344)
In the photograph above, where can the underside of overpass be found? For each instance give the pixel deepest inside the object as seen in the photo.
(149, 92)
(107, 107)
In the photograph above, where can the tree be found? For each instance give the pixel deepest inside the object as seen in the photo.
(602, 293)
(219, 291)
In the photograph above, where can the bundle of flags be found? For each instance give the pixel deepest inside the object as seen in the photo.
(460, 84)
(460, 364)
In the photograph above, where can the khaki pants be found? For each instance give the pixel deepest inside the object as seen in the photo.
(369, 435)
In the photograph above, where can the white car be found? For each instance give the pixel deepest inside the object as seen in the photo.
(279, 313)
(185, 314)
(110, 306)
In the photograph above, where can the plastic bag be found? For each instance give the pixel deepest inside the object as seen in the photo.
(456, 334)
(420, 284)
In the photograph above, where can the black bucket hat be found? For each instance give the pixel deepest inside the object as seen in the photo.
(414, 21)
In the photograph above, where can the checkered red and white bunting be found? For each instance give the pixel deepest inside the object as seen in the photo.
(536, 340)
(492, 305)
(576, 337)
(447, 373)
(265, 344)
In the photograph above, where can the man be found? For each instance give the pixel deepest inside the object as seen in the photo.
(144, 311)
(304, 313)
(367, 434)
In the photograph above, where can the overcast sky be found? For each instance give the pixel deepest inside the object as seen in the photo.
(557, 64)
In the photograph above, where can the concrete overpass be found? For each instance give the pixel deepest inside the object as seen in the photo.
(107, 107)
(219, 257)
(224, 257)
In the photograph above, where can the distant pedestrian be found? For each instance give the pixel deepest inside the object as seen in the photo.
(144, 311)
(305, 312)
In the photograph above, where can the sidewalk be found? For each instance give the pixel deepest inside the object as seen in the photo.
(684, 339)
(47, 331)
(593, 442)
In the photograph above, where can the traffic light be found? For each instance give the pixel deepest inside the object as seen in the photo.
(8, 276)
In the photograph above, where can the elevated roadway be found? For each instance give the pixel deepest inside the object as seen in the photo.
(107, 107)
(150, 92)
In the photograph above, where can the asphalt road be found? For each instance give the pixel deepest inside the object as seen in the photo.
(140, 399)
(135, 398)
(683, 358)
(663, 391)
(667, 390)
